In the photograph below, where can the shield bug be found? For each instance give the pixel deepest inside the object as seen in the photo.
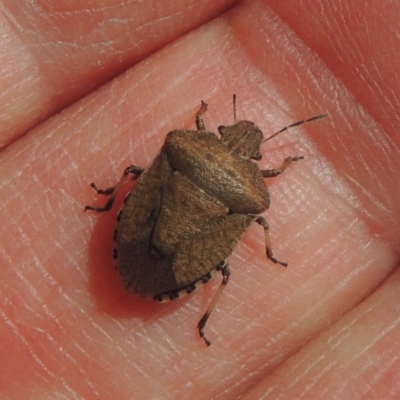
(189, 209)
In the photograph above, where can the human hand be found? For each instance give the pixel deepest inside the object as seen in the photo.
(68, 328)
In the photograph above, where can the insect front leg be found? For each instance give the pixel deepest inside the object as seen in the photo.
(270, 173)
(113, 190)
(199, 119)
(202, 323)
(262, 221)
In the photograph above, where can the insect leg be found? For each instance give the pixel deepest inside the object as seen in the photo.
(113, 190)
(202, 323)
(262, 221)
(270, 173)
(199, 119)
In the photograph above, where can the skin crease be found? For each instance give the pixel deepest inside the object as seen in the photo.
(325, 327)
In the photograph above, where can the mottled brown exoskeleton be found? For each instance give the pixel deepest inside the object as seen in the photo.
(189, 209)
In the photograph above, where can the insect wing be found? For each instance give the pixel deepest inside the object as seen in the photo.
(209, 248)
(140, 271)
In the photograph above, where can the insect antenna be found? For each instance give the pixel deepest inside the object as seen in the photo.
(234, 108)
(304, 121)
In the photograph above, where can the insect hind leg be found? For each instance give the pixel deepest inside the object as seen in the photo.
(202, 323)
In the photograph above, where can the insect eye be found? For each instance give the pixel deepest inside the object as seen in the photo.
(222, 129)
(257, 157)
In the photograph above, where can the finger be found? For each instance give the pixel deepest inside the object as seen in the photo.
(55, 54)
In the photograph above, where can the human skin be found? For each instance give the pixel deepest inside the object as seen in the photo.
(325, 327)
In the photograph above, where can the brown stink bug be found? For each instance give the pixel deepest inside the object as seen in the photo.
(189, 209)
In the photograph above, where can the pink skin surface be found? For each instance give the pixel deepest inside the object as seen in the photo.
(325, 327)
